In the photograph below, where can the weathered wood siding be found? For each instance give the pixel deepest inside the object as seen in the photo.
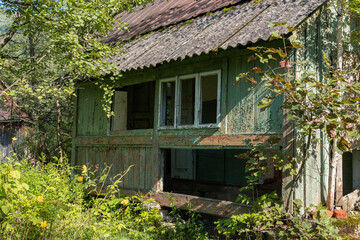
(91, 118)
(318, 35)
(141, 161)
(243, 116)
(242, 124)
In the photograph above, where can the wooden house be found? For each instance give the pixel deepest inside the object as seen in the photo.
(12, 121)
(179, 119)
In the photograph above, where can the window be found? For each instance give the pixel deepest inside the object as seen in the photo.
(187, 102)
(190, 100)
(209, 97)
(133, 107)
(168, 103)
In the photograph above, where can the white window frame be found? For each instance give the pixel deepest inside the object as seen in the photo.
(160, 115)
(197, 108)
(218, 100)
(196, 97)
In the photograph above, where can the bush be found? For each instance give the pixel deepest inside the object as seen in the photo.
(272, 219)
(49, 202)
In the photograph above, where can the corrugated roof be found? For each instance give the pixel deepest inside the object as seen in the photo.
(245, 23)
(164, 13)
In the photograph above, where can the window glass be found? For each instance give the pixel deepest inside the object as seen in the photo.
(190, 100)
(168, 103)
(187, 107)
(208, 94)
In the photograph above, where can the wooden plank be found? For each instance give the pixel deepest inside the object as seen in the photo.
(142, 171)
(240, 112)
(209, 206)
(88, 114)
(220, 208)
(223, 93)
(155, 170)
(74, 155)
(287, 179)
(112, 162)
(120, 111)
(121, 140)
(131, 155)
(120, 161)
(189, 131)
(126, 165)
(137, 132)
(224, 140)
(99, 160)
(148, 169)
(350, 200)
(136, 168)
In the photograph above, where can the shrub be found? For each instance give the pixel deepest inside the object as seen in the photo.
(49, 202)
(272, 219)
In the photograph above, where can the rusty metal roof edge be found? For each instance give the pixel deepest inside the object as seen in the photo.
(181, 58)
(161, 27)
(171, 23)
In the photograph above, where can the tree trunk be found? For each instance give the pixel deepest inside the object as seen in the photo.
(335, 174)
(5, 39)
(59, 131)
(332, 176)
(339, 183)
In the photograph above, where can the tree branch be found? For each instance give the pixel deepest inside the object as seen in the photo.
(11, 32)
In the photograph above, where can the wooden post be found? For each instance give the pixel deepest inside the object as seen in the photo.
(335, 176)
(339, 183)
(287, 179)
(339, 65)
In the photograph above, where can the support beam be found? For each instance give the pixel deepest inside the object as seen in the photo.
(219, 208)
(287, 178)
(209, 206)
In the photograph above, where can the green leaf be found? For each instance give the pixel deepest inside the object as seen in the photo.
(343, 144)
(264, 103)
(14, 174)
(5, 209)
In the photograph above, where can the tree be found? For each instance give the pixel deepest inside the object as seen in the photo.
(329, 105)
(47, 46)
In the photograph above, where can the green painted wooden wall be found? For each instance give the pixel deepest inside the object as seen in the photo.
(239, 116)
(318, 34)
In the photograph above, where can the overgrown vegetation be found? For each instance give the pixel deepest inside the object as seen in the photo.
(45, 46)
(322, 110)
(271, 219)
(47, 202)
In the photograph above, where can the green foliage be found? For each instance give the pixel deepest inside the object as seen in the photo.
(190, 229)
(272, 219)
(260, 161)
(349, 227)
(48, 202)
(54, 44)
(328, 105)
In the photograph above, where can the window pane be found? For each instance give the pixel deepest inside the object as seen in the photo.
(167, 103)
(187, 107)
(208, 93)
